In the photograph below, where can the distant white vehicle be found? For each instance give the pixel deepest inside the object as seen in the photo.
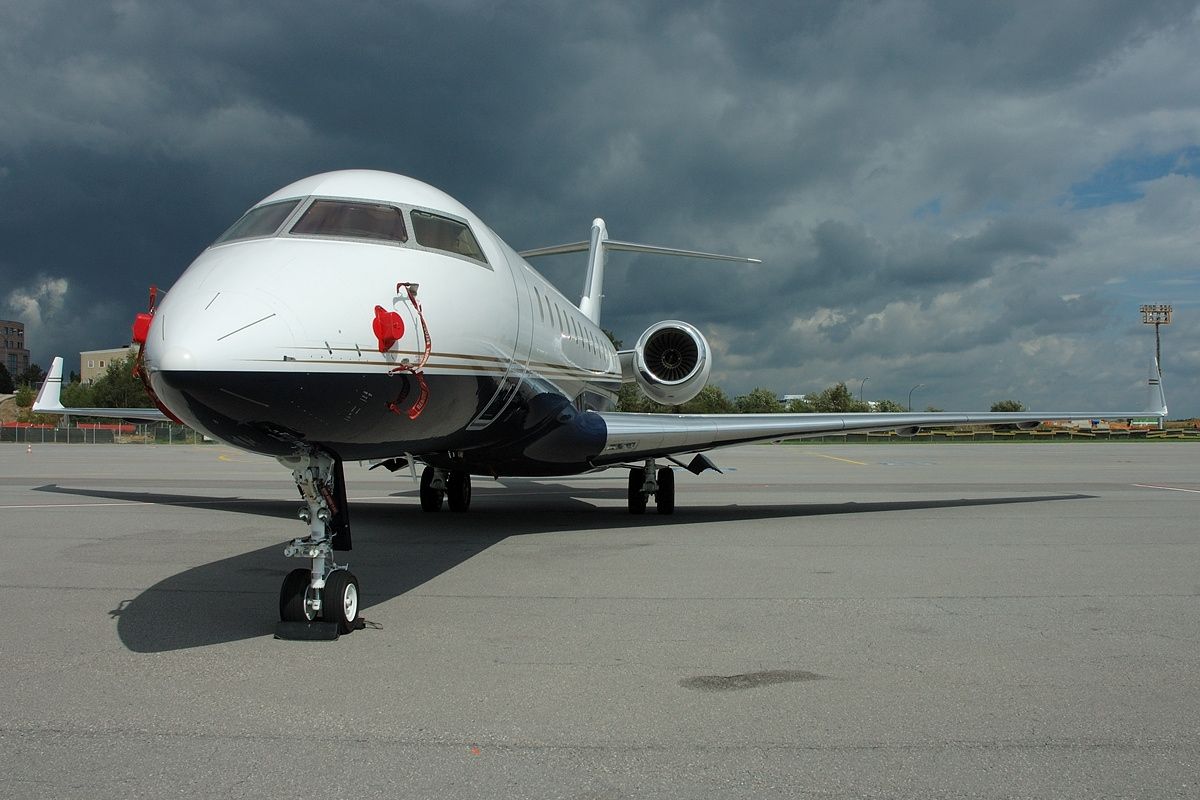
(362, 315)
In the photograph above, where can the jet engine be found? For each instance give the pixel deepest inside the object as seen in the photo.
(671, 362)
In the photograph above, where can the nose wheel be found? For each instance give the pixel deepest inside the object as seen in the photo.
(322, 600)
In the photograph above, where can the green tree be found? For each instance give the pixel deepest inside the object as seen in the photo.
(889, 407)
(760, 401)
(612, 337)
(711, 400)
(632, 398)
(835, 399)
(76, 394)
(25, 396)
(32, 376)
(118, 387)
(1008, 405)
(6, 381)
(799, 405)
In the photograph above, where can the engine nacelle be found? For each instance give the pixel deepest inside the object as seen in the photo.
(671, 362)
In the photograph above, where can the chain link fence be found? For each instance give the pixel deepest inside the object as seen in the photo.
(149, 433)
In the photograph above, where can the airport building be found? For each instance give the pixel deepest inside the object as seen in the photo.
(13, 353)
(94, 363)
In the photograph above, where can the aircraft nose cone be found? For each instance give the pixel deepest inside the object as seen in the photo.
(175, 358)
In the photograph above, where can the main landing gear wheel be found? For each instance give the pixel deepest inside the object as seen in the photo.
(664, 498)
(637, 497)
(458, 491)
(431, 498)
(339, 601)
(295, 597)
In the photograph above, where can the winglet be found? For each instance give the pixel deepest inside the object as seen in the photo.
(49, 397)
(1157, 405)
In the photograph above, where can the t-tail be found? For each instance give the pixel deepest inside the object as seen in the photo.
(597, 248)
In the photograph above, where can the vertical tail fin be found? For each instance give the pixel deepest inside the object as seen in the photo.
(1157, 404)
(593, 284)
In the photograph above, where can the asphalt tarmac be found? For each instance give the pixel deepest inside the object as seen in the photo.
(920, 621)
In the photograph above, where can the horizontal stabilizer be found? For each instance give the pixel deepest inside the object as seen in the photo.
(599, 245)
(633, 247)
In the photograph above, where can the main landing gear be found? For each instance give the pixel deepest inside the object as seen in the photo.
(438, 484)
(319, 601)
(644, 481)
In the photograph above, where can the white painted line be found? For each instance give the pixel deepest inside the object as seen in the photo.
(1166, 488)
(81, 505)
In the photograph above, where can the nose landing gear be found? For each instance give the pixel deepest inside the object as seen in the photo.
(321, 601)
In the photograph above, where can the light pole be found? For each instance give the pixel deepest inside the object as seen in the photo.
(1156, 316)
(860, 387)
(910, 391)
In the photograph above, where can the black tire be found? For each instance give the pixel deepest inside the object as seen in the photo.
(637, 499)
(664, 498)
(431, 498)
(339, 600)
(458, 491)
(292, 607)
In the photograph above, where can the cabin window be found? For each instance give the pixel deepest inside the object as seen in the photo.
(352, 220)
(259, 222)
(442, 233)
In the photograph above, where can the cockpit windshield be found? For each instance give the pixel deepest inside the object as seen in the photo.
(259, 221)
(353, 220)
(443, 233)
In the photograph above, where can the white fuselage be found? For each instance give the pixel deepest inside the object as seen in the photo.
(266, 341)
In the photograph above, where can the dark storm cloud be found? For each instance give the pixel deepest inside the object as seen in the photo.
(893, 162)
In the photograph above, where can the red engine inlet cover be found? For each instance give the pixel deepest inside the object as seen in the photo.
(388, 328)
(141, 327)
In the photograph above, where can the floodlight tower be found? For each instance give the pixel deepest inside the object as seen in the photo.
(1157, 315)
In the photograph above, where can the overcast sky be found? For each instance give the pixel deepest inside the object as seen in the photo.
(971, 196)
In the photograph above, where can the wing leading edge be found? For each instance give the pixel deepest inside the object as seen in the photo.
(632, 437)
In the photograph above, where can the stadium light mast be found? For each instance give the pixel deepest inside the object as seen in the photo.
(1157, 315)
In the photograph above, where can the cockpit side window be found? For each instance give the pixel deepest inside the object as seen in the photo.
(352, 220)
(259, 221)
(442, 233)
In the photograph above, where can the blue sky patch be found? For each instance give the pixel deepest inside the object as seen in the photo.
(931, 209)
(1118, 180)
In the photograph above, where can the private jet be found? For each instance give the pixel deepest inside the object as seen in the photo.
(366, 316)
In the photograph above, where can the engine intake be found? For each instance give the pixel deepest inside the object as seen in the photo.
(671, 362)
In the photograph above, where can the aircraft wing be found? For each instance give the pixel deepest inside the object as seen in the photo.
(633, 437)
(49, 401)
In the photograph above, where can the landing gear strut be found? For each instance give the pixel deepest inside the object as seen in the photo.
(646, 481)
(324, 592)
(438, 484)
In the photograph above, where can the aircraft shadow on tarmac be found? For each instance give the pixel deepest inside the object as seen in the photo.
(399, 547)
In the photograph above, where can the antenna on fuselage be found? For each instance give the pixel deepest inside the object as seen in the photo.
(597, 248)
